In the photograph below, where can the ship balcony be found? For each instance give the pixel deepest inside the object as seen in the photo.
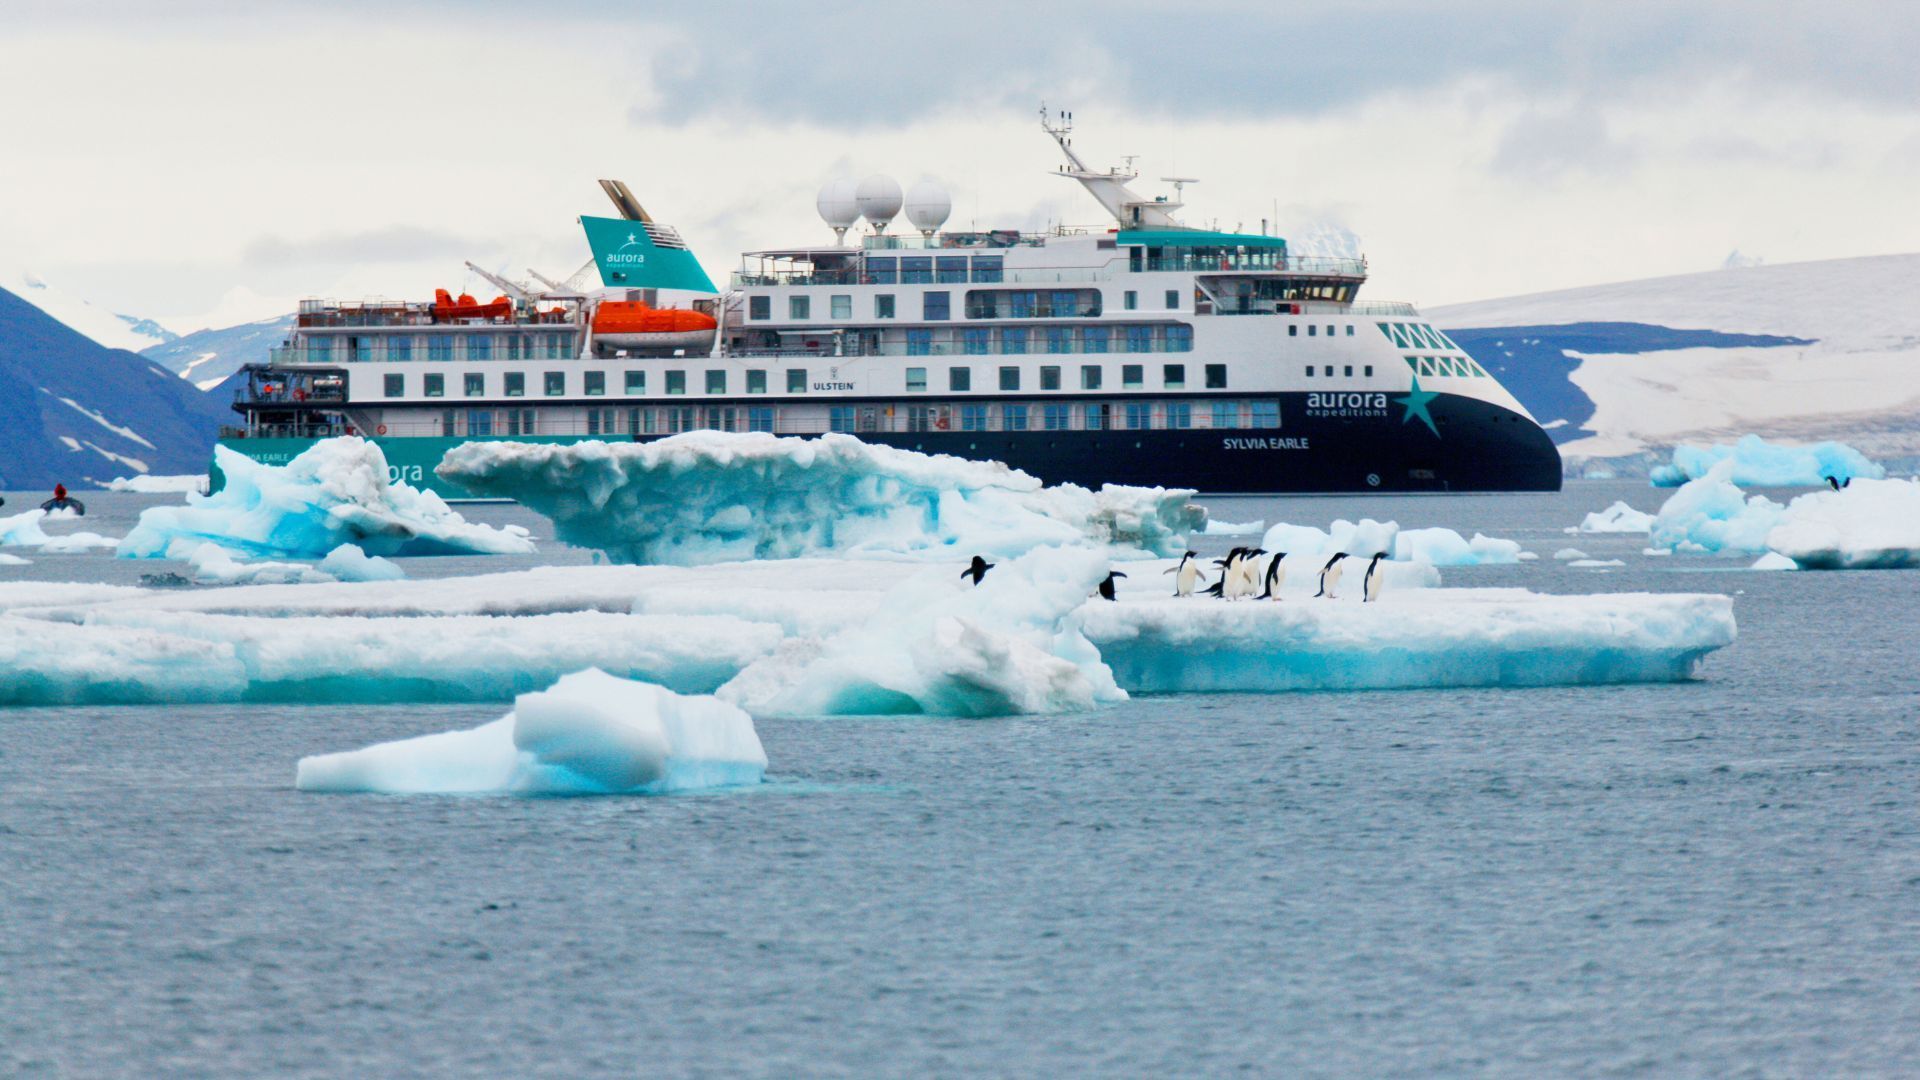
(1257, 262)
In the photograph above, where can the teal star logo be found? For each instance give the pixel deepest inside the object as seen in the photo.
(1416, 405)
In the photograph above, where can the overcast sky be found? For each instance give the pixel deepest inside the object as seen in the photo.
(207, 162)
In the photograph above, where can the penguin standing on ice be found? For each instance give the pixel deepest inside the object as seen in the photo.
(1229, 569)
(1106, 587)
(1370, 585)
(1838, 484)
(1249, 577)
(977, 569)
(1276, 577)
(1330, 575)
(1185, 574)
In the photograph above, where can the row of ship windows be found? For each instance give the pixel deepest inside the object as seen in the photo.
(443, 347)
(979, 304)
(1019, 340)
(1416, 336)
(1090, 416)
(1313, 329)
(594, 383)
(1445, 365)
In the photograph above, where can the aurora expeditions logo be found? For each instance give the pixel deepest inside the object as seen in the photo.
(1346, 405)
(620, 256)
(1416, 403)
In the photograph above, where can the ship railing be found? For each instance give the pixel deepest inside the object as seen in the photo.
(283, 431)
(1119, 347)
(1117, 417)
(1264, 262)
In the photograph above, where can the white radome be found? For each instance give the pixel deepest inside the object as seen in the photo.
(879, 199)
(839, 203)
(928, 205)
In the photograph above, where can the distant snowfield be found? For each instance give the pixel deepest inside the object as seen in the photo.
(103, 326)
(1857, 381)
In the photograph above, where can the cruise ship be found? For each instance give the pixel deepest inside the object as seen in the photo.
(1141, 351)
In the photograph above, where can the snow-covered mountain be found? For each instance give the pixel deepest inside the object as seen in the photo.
(206, 357)
(1797, 351)
(103, 326)
(73, 411)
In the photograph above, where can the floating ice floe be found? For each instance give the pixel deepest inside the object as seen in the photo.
(160, 485)
(1228, 528)
(1759, 463)
(336, 492)
(589, 734)
(709, 496)
(1712, 514)
(1569, 554)
(23, 529)
(13, 560)
(1773, 560)
(1409, 548)
(1871, 525)
(1444, 547)
(69, 543)
(349, 563)
(1618, 518)
(1595, 564)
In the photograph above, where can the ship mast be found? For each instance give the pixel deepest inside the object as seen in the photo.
(1110, 187)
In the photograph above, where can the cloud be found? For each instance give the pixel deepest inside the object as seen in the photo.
(394, 243)
(1544, 145)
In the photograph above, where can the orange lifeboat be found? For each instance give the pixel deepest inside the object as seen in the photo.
(446, 308)
(632, 324)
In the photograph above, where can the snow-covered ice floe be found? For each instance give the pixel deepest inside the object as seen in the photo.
(709, 496)
(1230, 528)
(1618, 518)
(1871, 525)
(1773, 560)
(1409, 548)
(589, 734)
(1420, 638)
(1595, 564)
(195, 483)
(212, 564)
(1759, 463)
(13, 560)
(336, 492)
(24, 530)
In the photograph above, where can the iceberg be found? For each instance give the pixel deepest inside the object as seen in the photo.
(1433, 547)
(13, 560)
(23, 529)
(1444, 547)
(1228, 528)
(1711, 514)
(1871, 525)
(1568, 554)
(709, 496)
(1594, 564)
(1618, 518)
(1422, 638)
(214, 565)
(1759, 463)
(195, 483)
(336, 492)
(1365, 538)
(949, 648)
(349, 563)
(589, 734)
(1773, 560)
(75, 542)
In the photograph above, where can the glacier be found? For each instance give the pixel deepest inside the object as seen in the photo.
(336, 492)
(590, 733)
(1759, 463)
(1618, 518)
(709, 496)
(1870, 525)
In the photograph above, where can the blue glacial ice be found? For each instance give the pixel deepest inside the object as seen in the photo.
(23, 529)
(1711, 514)
(1759, 463)
(1408, 547)
(336, 492)
(709, 496)
(590, 733)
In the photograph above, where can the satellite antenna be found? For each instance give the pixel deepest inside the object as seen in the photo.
(1179, 185)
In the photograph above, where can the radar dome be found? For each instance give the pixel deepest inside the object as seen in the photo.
(839, 205)
(928, 205)
(879, 199)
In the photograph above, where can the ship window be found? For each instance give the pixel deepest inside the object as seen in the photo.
(556, 383)
(1179, 415)
(436, 386)
(842, 305)
(480, 347)
(1175, 376)
(716, 382)
(880, 271)
(756, 382)
(636, 382)
(759, 307)
(1095, 340)
(760, 418)
(883, 306)
(1368, 371)
(557, 346)
(396, 386)
(973, 418)
(1179, 339)
(1059, 339)
(799, 307)
(951, 268)
(1309, 371)
(1056, 417)
(513, 346)
(1173, 299)
(1217, 376)
(1139, 416)
(960, 379)
(1014, 417)
(1009, 378)
(1139, 339)
(1349, 371)
(400, 349)
(916, 270)
(976, 340)
(1050, 378)
(516, 384)
(1096, 417)
(796, 380)
(1090, 376)
(1133, 376)
(916, 379)
(1349, 329)
(987, 268)
(1312, 330)
(936, 305)
(1293, 330)
(1013, 340)
(1226, 414)
(476, 385)
(640, 421)
(1130, 300)
(676, 382)
(319, 350)
(919, 343)
(1266, 414)
(1329, 331)
(439, 347)
(593, 421)
(840, 418)
(596, 383)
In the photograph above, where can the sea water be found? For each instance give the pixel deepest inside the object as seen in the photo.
(1712, 878)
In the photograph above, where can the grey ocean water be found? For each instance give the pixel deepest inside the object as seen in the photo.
(1719, 878)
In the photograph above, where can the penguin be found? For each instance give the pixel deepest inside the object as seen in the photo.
(978, 569)
(1229, 569)
(1276, 577)
(1106, 587)
(1837, 484)
(1370, 585)
(1249, 577)
(1185, 574)
(1330, 575)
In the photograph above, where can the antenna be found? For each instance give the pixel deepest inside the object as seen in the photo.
(1179, 185)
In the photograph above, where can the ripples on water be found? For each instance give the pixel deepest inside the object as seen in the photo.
(1715, 878)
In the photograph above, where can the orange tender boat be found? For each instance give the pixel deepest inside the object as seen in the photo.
(634, 324)
(447, 309)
